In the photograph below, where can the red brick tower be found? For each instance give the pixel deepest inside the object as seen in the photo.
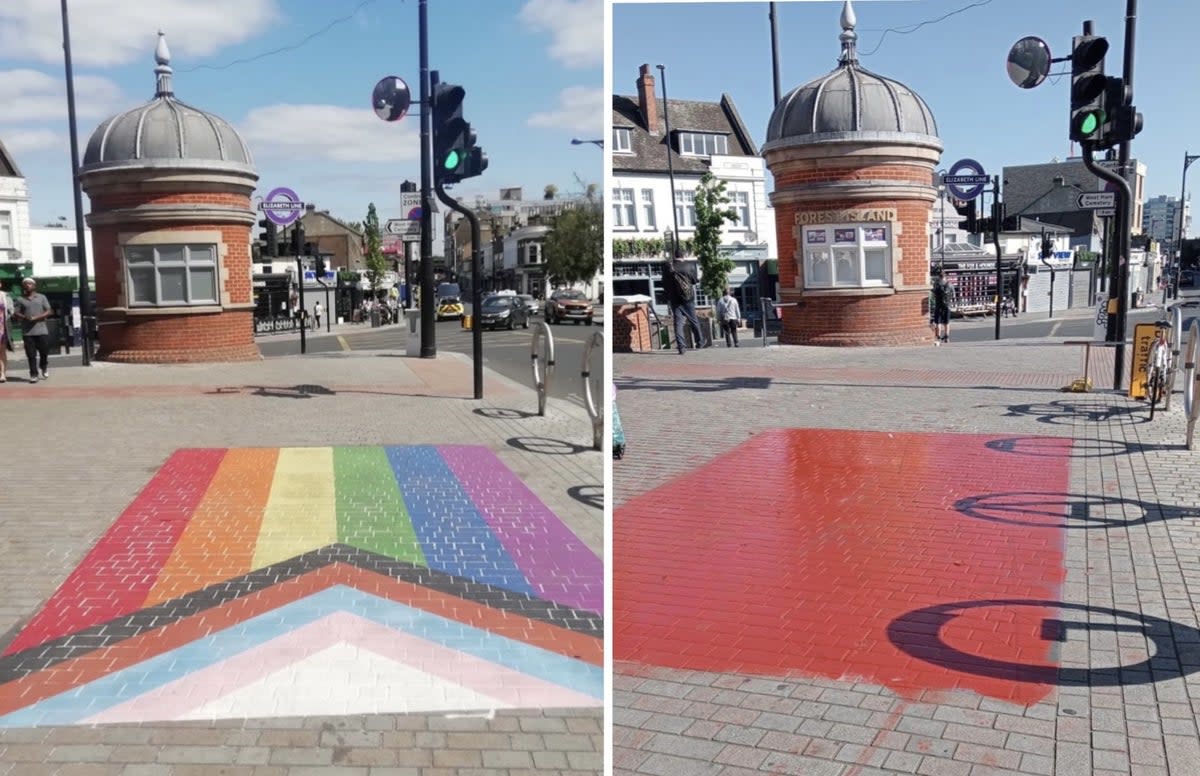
(171, 223)
(853, 155)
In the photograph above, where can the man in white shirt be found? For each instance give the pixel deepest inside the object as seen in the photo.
(730, 316)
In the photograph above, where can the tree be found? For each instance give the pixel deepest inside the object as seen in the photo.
(712, 211)
(574, 247)
(551, 192)
(374, 259)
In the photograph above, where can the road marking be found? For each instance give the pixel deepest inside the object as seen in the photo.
(342, 342)
(1054, 329)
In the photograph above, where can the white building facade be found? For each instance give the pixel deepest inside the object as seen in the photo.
(645, 218)
(15, 246)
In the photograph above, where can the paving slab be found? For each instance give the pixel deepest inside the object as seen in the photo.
(299, 563)
(905, 560)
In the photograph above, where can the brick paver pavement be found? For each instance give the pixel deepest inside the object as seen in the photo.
(948, 566)
(291, 554)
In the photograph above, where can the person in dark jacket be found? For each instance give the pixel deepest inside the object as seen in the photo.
(940, 306)
(679, 283)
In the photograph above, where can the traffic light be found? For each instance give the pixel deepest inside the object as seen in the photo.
(968, 211)
(269, 237)
(318, 261)
(1047, 247)
(455, 155)
(1124, 121)
(298, 239)
(1088, 87)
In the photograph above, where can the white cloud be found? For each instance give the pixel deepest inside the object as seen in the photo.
(117, 32)
(31, 95)
(580, 109)
(20, 141)
(329, 133)
(577, 28)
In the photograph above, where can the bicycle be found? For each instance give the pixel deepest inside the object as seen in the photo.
(1157, 367)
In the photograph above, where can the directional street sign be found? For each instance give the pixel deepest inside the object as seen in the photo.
(1107, 212)
(282, 206)
(402, 226)
(1098, 200)
(966, 179)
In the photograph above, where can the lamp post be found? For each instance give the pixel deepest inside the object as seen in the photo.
(662, 71)
(85, 292)
(1187, 162)
(597, 143)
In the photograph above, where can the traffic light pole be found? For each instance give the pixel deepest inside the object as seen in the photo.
(428, 332)
(1118, 295)
(300, 314)
(996, 218)
(86, 320)
(476, 286)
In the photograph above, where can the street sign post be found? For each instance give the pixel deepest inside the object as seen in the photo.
(966, 179)
(282, 206)
(1097, 200)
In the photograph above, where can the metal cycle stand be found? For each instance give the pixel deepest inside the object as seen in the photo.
(596, 412)
(1176, 340)
(1191, 385)
(542, 374)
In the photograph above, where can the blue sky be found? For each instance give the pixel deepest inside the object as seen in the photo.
(957, 65)
(533, 71)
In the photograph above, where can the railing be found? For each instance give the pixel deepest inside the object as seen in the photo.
(543, 362)
(594, 408)
(770, 312)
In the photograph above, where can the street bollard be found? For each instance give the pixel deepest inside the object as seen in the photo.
(594, 409)
(1191, 385)
(542, 373)
(413, 344)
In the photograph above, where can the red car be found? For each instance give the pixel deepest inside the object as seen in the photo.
(569, 305)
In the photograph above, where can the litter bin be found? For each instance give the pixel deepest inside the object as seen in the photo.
(414, 333)
(375, 318)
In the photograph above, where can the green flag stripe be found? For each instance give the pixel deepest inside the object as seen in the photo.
(371, 514)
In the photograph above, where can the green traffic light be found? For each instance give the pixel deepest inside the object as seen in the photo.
(451, 161)
(1090, 123)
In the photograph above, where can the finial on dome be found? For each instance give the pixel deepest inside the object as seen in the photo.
(162, 55)
(848, 36)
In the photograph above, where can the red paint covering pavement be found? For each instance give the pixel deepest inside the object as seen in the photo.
(793, 553)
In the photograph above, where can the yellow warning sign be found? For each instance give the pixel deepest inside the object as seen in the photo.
(1143, 340)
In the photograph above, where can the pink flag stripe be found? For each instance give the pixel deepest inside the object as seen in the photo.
(559, 566)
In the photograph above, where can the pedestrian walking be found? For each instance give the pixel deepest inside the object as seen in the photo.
(32, 309)
(940, 307)
(5, 337)
(730, 317)
(679, 283)
(317, 315)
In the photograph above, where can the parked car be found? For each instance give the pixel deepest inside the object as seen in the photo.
(532, 307)
(569, 304)
(503, 311)
(450, 307)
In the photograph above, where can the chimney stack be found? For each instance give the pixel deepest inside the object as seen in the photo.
(646, 99)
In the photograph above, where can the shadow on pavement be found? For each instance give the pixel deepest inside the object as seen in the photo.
(503, 413)
(588, 495)
(1067, 510)
(309, 391)
(1057, 447)
(1067, 412)
(1175, 652)
(546, 446)
(697, 386)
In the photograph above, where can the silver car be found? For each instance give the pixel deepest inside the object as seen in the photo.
(531, 305)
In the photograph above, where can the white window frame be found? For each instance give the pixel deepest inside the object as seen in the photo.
(622, 140)
(624, 208)
(685, 208)
(852, 255)
(740, 201)
(6, 229)
(62, 254)
(648, 221)
(158, 264)
(703, 144)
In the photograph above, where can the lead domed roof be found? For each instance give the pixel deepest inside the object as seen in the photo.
(850, 103)
(166, 132)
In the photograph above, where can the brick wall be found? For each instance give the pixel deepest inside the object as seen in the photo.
(631, 329)
(175, 338)
(895, 319)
